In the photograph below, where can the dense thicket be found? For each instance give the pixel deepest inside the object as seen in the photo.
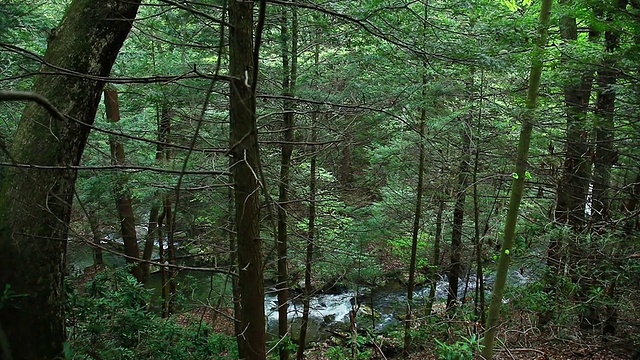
(303, 148)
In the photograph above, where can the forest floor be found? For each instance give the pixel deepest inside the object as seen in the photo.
(517, 340)
(549, 349)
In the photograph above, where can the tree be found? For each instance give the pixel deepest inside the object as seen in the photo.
(123, 196)
(574, 183)
(35, 202)
(243, 67)
(289, 70)
(520, 175)
(455, 271)
(419, 192)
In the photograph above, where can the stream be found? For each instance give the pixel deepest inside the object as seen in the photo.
(327, 311)
(331, 311)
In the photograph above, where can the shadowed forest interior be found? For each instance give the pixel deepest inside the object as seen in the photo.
(302, 179)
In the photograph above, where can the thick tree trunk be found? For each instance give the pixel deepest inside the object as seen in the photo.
(605, 158)
(123, 197)
(233, 250)
(35, 205)
(605, 155)
(574, 183)
(576, 175)
(245, 154)
(517, 188)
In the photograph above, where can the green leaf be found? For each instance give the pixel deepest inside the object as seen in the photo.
(515, 176)
(527, 174)
(506, 251)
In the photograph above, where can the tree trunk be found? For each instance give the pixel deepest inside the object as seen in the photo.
(152, 235)
(312, 217)
(605, 158)
(517, 188)
(417, 215)
(233, 259)
(455, 270)
(479, 296)
(288, 87)
(33, 233)
(435, 263)
(574, 183)
(244, 151)
(169, 282)
(94, 223)
(123, 197)
(163, 270)
(605, 155)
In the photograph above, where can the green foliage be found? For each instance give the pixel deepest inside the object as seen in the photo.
(345, 352)
(110, 319)
(460, 350)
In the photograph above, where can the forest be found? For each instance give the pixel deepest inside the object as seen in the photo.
(319, 179)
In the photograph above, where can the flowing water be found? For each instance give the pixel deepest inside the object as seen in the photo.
(328, 312)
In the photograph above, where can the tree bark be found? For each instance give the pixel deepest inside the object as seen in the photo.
(574, 183)
(288, 88)
(417, 215)
(455, 270)
(479, 296)
(306, 306)
(605, 158)
(152, 235)
(605, 155)
(35, 205)
(245, 154)
(517, 188)
(435, 263)
(123, 197)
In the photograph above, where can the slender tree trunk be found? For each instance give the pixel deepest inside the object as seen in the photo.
(312, 219)
(479, 298)
(163, 270)
(417, 215)
(123, 196)
(35, 205)
(98, 259)
(170, 282)
(149, 242)
(245, 154)
(288, 87)
(517, 188)
(455, 270)
(435, 262)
